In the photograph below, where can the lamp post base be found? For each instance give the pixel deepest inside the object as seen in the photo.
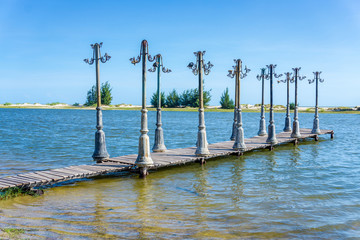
(296, 130)
(262, 128)
(316, 128)
(287, 127)
(202, 145)
(272, 135)
(144, 159)
(239, 143)
(159, 145)
(100, 152)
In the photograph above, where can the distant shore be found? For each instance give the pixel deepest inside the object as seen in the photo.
(245, 108)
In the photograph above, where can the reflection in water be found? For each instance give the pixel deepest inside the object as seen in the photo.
(237, 186)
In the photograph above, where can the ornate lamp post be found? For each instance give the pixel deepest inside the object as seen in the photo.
(262, 128)
(143, 160)
(233, 131)
(100, 152)
(296, 126)
(316, 128)
(159, 145)
(239, 143)
(287, 79)
(197, 69)
(271, 128)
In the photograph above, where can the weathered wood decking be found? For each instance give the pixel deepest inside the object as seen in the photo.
(125, 163)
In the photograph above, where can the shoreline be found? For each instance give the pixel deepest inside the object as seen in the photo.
(186, 109)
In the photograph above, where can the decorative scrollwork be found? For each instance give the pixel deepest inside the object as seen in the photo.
(296, 74)
(316, 75)
(262, 75)
(194, 68)
(231, 74)
(207, 67)
(246, 71)
(103, 59)
(272, 68)
(89, 62)
(153, 69)
(287, 78)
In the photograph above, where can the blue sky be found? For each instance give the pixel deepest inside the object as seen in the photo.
(44, 44)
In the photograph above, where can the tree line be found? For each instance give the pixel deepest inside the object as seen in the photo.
(188, 98)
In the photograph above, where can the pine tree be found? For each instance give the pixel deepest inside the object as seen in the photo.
(154, 99)
(225, 101)
(173, 99)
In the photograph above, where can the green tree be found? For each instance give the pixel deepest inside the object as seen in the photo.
(185, 98)
(154, 99)
(225, 101)
(173, 99)
(106, 96)
(190, 98)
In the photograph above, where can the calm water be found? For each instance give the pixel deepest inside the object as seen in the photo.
(309, 191)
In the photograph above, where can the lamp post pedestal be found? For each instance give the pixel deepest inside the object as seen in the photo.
(100, 152)
(202, 144)
(159, 145)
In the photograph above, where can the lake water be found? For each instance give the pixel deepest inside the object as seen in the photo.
(307, 191)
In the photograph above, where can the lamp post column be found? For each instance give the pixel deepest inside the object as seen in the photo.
(296, 125)
(262, 127)
(316, 125)
(159, 145)
(288, 78)
(239, 143)
(197, 69)
(100, 153)
(233, 133)
(143, 160)
(271, 128)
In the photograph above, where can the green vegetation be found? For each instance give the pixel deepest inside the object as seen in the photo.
(225, 101)
(11, 233)
(106, 96)
(292, 106)
(7, 104)
(172, 99)
(53, 104)
(154, 99)
(189, 98)
(76, 104)
(16, 192)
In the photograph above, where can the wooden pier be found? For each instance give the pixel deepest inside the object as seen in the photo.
(164, 159)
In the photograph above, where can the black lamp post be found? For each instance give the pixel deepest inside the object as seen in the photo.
(271, 128)
(143, 160)
(159, 145)
(100, 152)
(198, 69)
(317, 79)
(262, 126)
(238, 73)
(287, 80)
(296, 125)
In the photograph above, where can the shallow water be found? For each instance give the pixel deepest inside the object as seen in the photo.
(308, 191)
